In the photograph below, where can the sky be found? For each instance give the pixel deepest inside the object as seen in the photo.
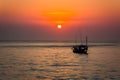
(38, 19)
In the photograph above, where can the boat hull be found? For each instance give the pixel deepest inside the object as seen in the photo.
(81, 49)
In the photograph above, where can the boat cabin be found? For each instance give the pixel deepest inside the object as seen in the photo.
(82, 49)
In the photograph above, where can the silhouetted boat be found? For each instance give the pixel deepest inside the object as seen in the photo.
(81, 49)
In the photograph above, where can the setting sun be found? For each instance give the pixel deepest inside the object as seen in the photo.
(59, 26)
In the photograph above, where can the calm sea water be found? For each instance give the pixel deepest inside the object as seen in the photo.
(56, 61)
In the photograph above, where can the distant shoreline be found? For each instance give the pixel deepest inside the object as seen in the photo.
(68, 41)
(50, 44)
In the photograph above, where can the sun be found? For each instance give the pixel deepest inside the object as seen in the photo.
(59, 26)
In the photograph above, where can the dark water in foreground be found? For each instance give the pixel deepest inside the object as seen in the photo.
(31, 61)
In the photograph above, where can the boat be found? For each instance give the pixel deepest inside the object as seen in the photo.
(81, 49)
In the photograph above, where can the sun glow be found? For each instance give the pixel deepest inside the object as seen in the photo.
(59, 16)
(59, 26)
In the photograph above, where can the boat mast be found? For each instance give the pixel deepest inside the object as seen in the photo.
(75, 39)
(86, 41)
(81, 38)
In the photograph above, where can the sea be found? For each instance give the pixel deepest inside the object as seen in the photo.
(39, 60)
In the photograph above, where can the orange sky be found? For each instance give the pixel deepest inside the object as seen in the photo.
(43, 10)
(66, 12)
